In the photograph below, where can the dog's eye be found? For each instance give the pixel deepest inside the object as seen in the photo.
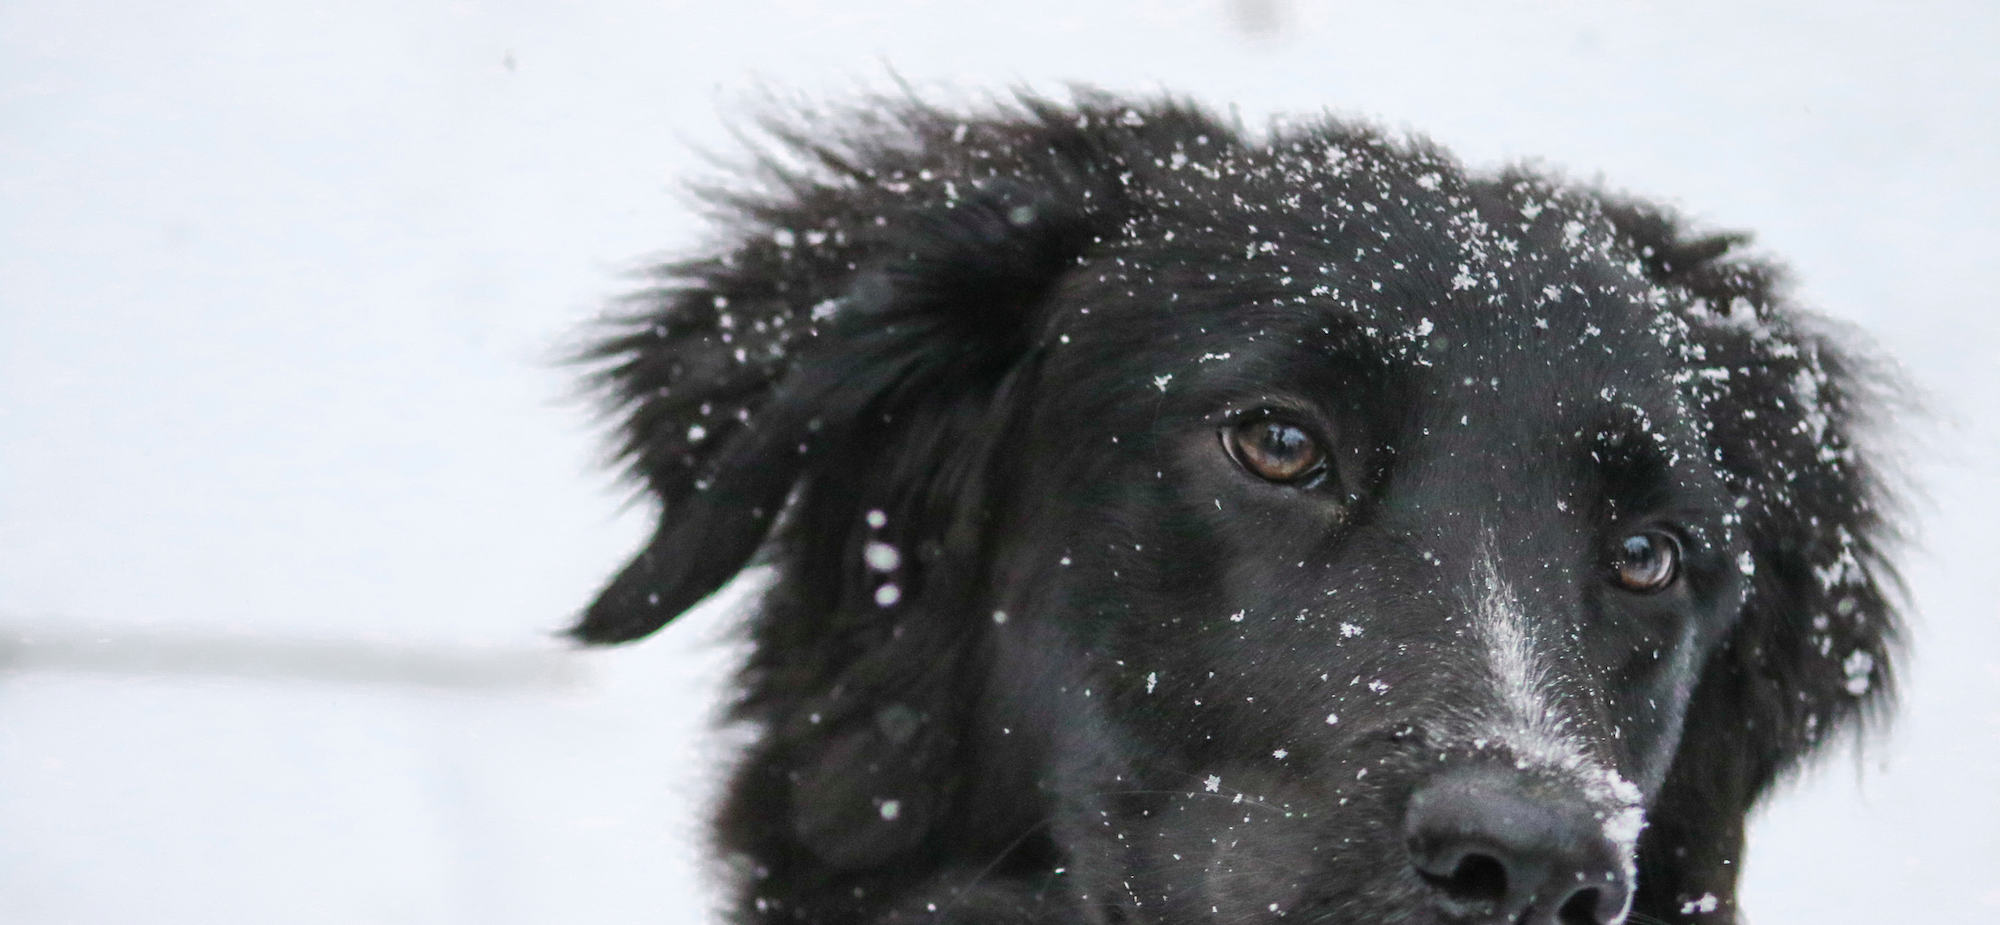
(1274, 450)
(1647, 562)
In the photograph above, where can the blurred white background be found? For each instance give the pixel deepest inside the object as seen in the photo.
(292, 496)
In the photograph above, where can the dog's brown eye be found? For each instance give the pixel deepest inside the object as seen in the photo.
(1274, 450)
(1647, 562)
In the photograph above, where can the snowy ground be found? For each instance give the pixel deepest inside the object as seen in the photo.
(290, 497)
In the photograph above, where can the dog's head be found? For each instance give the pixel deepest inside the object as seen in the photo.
(1190, 529)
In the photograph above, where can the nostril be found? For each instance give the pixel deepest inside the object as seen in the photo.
(1478, 878)
(1581, 908)
(1599, 904)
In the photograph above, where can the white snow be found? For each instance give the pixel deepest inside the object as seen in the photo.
(1859, 667)
(881, 557)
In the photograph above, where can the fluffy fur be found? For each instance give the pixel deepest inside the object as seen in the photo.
(1039, 650)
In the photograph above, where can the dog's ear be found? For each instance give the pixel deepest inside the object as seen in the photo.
(1811, 653)
(887, 279)
(1792, 418)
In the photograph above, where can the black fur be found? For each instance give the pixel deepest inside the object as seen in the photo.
(1003, 344)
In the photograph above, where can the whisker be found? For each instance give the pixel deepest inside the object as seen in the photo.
(1001, 855)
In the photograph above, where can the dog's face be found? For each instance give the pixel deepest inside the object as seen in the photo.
(1174, 530)
(1300, 567)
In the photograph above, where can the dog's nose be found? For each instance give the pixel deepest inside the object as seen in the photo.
(1500, 847)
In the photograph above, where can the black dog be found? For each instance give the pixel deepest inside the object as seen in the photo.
(1171, 527)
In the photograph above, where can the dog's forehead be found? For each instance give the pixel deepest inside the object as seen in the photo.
(1488, 284)
(1402, 244)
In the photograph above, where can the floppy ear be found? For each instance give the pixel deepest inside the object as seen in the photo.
(832, 394)
(857, 290)
(1810, 654)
